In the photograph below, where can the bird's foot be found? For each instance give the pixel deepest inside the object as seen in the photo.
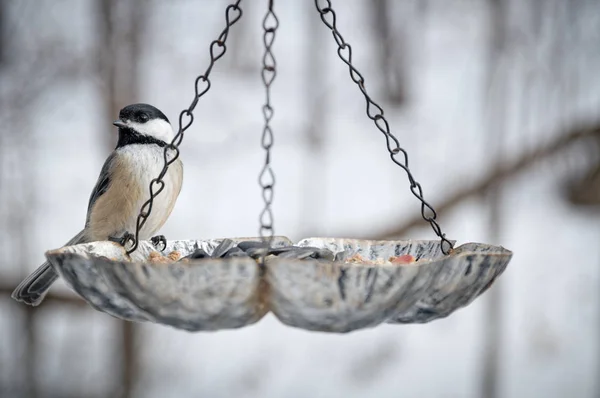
(158, 240)
(127, 237)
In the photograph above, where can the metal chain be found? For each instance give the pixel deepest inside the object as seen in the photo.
(202, 84)
(266, 178)
(375, 113)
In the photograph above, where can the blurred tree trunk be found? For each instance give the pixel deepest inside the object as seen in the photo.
(2, 33)
(121, 25)
(121, 30)
(316, 127)
(16, 165)
(21, 241)
(16, 175)
(108, 60)
(26, 73)
(243, 43)
(497, 84)
(392, 50)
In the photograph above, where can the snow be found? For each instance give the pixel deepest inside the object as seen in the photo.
(550, 300)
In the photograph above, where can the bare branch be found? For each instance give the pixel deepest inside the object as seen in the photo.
(501, 175)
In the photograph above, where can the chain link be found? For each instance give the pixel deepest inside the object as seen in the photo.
(375, 113)
(266, 178)
(202, 84)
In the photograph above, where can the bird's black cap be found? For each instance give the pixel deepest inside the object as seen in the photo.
(141, 113)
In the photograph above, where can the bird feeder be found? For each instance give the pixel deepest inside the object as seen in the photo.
(320, 284)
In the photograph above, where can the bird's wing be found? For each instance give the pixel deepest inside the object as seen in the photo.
(102, 184)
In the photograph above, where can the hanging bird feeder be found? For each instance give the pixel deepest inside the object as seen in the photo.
(324, 284)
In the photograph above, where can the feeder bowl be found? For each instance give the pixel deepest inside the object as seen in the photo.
(360, 285)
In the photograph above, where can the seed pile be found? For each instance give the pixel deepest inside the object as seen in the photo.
(256, 250)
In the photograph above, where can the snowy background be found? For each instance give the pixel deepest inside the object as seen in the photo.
(468, 105)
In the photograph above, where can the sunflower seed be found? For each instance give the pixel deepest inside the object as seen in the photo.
(250, 244)
(224, 247)
(235, 252)
(298, 253)
(198, 253)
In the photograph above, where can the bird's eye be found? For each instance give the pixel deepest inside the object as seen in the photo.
(143, 118)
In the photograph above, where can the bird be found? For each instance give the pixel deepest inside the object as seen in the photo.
(121, 190)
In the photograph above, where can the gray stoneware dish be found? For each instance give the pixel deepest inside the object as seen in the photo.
(312, 294)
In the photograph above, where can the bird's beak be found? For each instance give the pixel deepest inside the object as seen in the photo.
(120, 123)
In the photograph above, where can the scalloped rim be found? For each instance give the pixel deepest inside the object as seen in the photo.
(500, 250)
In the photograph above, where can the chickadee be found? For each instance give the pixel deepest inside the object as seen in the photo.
(121, 190)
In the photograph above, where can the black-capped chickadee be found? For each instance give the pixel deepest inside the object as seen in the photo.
(121, 190)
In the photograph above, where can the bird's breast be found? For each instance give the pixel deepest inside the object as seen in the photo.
(133, 169)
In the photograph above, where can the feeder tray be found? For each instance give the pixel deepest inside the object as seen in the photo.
(359, 288)
(322, 284)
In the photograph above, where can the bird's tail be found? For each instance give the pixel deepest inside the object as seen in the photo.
(34, 288)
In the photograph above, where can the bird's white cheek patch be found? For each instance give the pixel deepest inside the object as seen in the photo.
(156, 128)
